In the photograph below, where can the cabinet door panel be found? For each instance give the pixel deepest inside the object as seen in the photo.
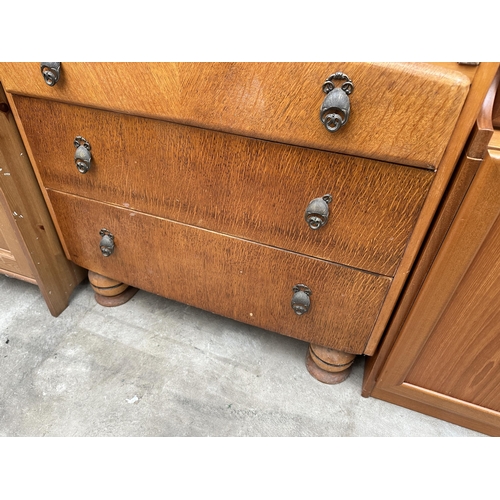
(469, 365)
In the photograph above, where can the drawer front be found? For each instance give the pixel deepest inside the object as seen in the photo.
(249, 188)
(246, 281)
(403, 113)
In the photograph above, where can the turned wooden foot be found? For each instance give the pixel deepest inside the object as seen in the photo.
(328, 365)
(108, 292)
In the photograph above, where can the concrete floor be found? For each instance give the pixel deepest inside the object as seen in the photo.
(153, 367)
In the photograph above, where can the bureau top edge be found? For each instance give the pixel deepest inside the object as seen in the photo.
(398, 112)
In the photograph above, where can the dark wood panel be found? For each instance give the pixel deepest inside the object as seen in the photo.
(244, 187)
(400, 112)
(242, 280)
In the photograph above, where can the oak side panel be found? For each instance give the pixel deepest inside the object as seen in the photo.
(246, 281)
(244, 187)
(54, 274)
(400, 112)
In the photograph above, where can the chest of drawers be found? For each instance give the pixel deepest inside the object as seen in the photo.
(206, 183)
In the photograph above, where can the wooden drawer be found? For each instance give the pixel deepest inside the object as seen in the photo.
(249, 188)
(242, 280)
(400, 112)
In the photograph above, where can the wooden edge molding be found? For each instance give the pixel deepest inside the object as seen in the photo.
(449, 409)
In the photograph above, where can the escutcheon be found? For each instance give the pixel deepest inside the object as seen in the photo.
(300, 300)
(336, 106)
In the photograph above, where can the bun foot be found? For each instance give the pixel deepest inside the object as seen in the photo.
(328, 365)
(108, 292)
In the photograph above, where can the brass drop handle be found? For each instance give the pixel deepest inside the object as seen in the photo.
(317, 211)
(336, 106)
(300, 300)
(107, 244)
(83, 156)
(51, 72)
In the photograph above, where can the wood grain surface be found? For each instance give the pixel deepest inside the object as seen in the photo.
(12, 258)
(55, 275)
(249, 188)
(482, 81)
(474, 152)
(444, 407)
(460, 183)
(476, 216)
(446, 358)
(238, 279)
(465, 344)
(400, 112)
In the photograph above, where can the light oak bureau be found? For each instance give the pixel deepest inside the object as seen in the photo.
(223, 185)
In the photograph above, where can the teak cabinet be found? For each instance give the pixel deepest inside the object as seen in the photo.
(291, 196)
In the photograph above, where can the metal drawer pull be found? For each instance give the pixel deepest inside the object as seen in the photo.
(51, 72)
(317, 211)
(107, 244)
(300, 300)
(83, 155)
(336, 106)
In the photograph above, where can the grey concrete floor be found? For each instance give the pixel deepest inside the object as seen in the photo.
(153, 367)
